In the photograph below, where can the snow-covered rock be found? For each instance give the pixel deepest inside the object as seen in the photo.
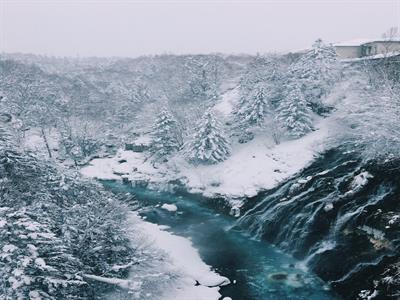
(169, 207)
(359, 181)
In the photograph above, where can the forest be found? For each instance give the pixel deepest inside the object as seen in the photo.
(299, 150)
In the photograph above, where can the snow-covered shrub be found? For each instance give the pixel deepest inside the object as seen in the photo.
(209, 145)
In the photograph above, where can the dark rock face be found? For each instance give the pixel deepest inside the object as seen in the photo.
(340, 215)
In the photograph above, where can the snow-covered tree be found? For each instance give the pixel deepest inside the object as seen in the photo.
(371, 119)
(166, 135)
(53, 229)
(209, 144)
(202, 77)
(316, 71)
(293, 112)
(259, 90)
(253, 108)
(35, 264)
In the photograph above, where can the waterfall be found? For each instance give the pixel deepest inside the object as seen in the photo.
(321, 215)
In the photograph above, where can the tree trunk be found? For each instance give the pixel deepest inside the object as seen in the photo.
(46, 143)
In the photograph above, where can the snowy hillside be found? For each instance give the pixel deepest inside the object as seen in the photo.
(254, 166)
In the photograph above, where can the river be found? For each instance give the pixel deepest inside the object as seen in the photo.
(256, 269)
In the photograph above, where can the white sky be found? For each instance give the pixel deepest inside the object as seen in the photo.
(132, 28)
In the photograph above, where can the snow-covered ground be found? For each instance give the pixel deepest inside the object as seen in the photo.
(227, 102)
(254, 166)
(181, 272)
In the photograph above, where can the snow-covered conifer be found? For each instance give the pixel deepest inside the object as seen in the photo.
(166, 135)
(254, 107)
(317, 71)
(209, 144)
(293, 112)
(259, 89)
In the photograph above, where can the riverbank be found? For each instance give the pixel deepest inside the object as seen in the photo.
(255, 166)
(179, 273)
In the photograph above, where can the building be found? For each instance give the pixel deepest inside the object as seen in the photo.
(367, 48)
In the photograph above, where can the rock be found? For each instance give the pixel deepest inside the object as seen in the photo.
(215, 183)
(278, 276)
(328, 207)
(125, 180)
(141, 183)
(235, 211)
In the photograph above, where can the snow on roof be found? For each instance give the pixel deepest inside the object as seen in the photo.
(359, 42)
(355, 42)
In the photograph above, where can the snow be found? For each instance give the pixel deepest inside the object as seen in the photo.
(227, 102)
(169, 207)
(34, 295)
(361, 41)
(9, 248)
(328, 207)
(354, 42)
(122, 283)
(255, 166)
(143, 140)
(194, 293)
(185, 262)
(121, 267)
(34, 141)
(40, 262)
(109, 168)
(359, 181)
(252, 167)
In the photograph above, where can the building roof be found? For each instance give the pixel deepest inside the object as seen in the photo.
(352, 43)
(359, 42)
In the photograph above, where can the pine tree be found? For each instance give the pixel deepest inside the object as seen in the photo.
(259, 90)
(316, 71)
(293, 112)
(209, 144)
(166, 137)
(253, 108)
